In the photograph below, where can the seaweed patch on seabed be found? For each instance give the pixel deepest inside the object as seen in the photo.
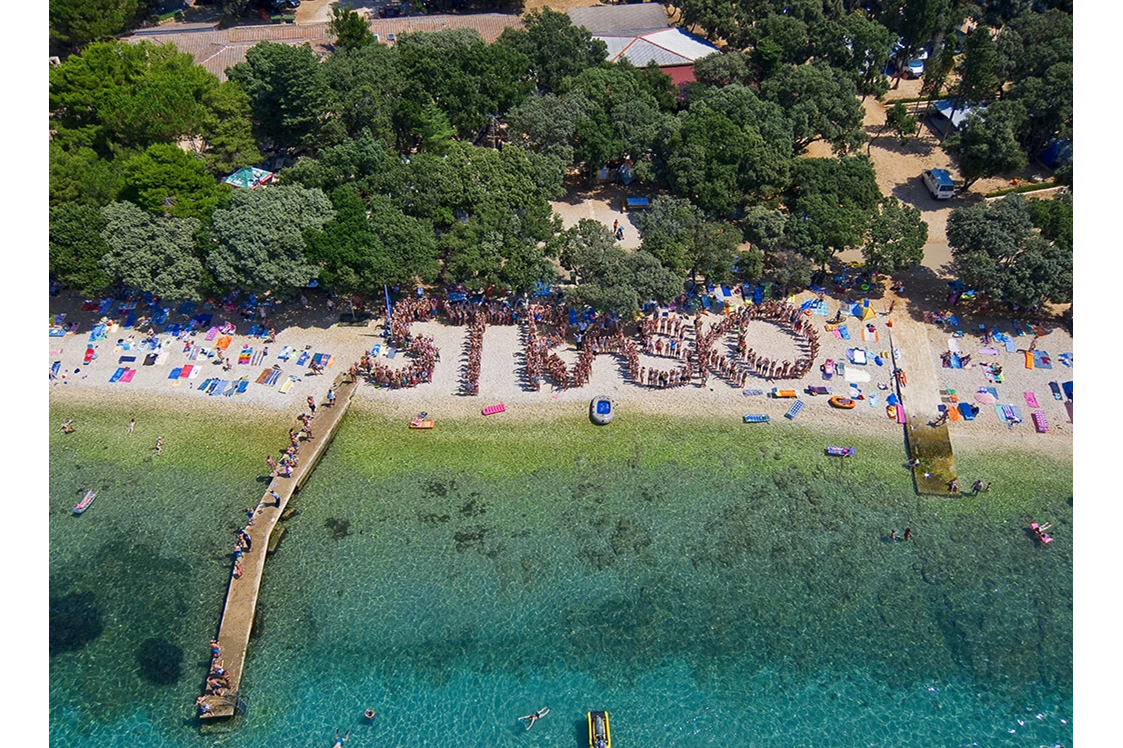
(340, 528)
(159, 662)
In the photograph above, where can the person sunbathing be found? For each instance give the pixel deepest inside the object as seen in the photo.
(66, 426)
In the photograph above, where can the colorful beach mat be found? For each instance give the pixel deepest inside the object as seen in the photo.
(1042, 360)
(128, 375)
(1031, 399)
(117, 375)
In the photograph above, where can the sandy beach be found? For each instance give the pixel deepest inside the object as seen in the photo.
(501, 378)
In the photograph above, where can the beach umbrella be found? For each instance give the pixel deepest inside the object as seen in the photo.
(985, 398)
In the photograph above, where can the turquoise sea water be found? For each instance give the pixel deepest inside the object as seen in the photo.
(706, 584)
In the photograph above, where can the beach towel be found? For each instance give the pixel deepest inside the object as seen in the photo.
(202, 320)
(105, 306)
(1029, 359)
(57, 332)
(837, 333)
(323, 360)
(185, 372)
(273, 377)
(1018, 329)
(244, 356)
(988, 351)
(285, 353)
(130, 321)
(953, 320)
(967, 410)
(55, 367)
(206, 383)
(1040, 422)
(150, 359)
(126, 359)
(1042, 360)
(1067, 387)
(900, 414)
(257, 358)
(187, 308)
(376, 350)
(868, 335)
(752, 393)
(223, 343)
(953, 345)
(1068, 407)
(211, 334)
(303, 358)
(797, 406)
(873, 399)
(391, 352)
(128, 375)
(953, 413)
(242, 386)
(1031, 399)
(162, 357)
(855, 375)
(287, 384)
(264, 375)
(195, 370)
(117, 375)
(1066, 359)
(819, 308)
(174, 373)
(844, 332)
(217, 386)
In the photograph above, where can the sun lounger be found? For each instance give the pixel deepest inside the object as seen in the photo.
(117, 374)
(756, 419)
(797, 406)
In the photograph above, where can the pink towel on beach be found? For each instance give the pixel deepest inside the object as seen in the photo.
(185, 372)
(837, 333)
(988, 351)
(127, 376)
(1031, 399)
(211, 333)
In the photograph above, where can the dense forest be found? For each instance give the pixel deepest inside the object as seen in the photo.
(394, 180)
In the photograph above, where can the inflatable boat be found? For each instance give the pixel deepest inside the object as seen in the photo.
(600, 736)
(840, 451)
(84, 504)
(838, 401)
(601, 410)
(756, 419)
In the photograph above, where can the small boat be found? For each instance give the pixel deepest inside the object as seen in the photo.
(601, 410)
(841, 451)
(84, 504)
(600, 735)
(838, 401)
(756, 419)
(420, 422)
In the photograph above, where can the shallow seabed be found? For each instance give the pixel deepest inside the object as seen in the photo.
(706, 583)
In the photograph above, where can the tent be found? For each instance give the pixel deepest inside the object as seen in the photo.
(867, 310)
(251, 178)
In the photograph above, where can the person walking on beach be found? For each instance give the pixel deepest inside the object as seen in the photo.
(131, 426)
(331, 397)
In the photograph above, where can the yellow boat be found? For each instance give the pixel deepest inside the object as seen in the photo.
(599, 734)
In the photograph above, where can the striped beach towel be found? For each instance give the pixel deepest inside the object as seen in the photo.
(211, 334)
(257, 358)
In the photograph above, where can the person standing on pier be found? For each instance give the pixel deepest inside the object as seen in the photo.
(312, 404)
(331, 397)
(245, 537)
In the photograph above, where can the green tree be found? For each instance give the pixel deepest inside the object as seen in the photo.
(987, 145)
(367, 86)
(791, 271)
(611, 279)
(679, 235)
(821, 103)
(978, 77)
(996, 251)
(289, 93)
(1048, 102)
(81, 176)
(896, 238)
(723, 68)
(831, 203)
(899, 122)
(119, 95)
(258, 241)
(76, 247)
(364, 161)
(860, 46)
(1054, 218)
(556, 48)
(764, 227)
(349, 29)
(356, 253)
(227, 130)
(79, 22)
(151, 252)
(787, 33)
(165, 179)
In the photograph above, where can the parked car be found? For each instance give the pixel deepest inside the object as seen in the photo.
(915, 68)
(939, 183)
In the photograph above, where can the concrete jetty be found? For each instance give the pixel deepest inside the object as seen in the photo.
(929, 443)
(241, 596)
